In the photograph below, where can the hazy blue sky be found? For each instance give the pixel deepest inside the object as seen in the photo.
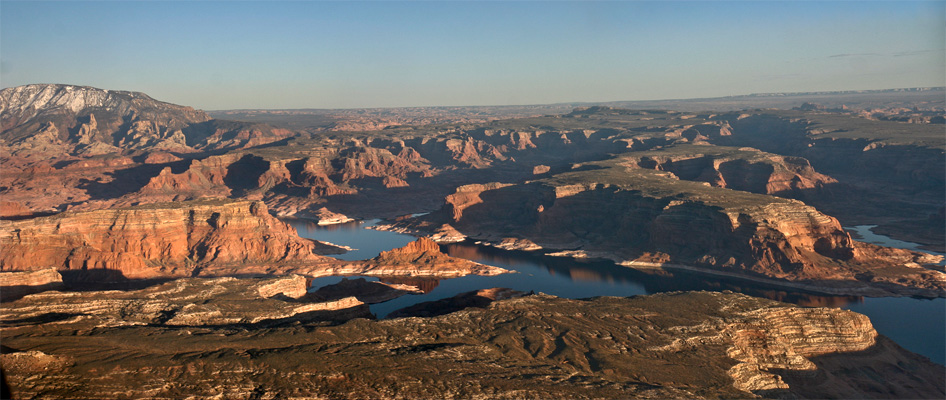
(219, 55)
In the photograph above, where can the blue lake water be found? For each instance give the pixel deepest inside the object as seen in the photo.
(366, 243)
(918, 325)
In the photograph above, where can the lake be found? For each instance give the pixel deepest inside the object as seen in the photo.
(918, 325)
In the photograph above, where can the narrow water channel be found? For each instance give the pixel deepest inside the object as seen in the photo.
(918, 325)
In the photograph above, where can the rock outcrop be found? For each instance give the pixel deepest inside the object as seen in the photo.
(12, 209)
(202, 178)
(159, 240)
(644, 218)
(327, 217)
(467, 196)
(368, 292)
(743, 169)
(674, 345)
(646, 189)
(888, 173)
(14, 285)
(420, 258)
(192, 302)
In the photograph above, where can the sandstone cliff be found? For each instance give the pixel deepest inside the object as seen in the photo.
(365, 174)
(420, 258)
(180, 239)
(645, 218)
(14, 285)
(889, 173)
(327, 217)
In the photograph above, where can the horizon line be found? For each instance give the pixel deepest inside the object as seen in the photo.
(572, 103)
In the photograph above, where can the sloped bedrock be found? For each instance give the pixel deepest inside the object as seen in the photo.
(229, 175)
(361, 162)
(745, 169)
(629, 225)
(889, 174)
(913, 168)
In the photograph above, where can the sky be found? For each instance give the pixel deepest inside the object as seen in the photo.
(216, 55)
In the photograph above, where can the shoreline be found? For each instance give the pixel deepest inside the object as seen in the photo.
(860, 290)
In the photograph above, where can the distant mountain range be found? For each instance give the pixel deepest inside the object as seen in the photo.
(49, 120)
(53, 119)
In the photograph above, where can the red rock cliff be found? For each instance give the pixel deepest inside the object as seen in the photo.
(155, 240)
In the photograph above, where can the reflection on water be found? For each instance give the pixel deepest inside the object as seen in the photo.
(366, 243)
(426, 285)
(916, 324)
(866, 235)
(606, 273)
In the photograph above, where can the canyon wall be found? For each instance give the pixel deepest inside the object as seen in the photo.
(639, 217)
(179, 239)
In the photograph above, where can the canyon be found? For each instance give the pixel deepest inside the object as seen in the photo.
(636, 217)
(204, 238)
(124, 218)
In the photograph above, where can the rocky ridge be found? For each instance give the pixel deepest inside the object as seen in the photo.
(160, 240)
(45, 121)
(190, 302)
(364, 172)
(369, 292)
(420, 258)
(644, 218)
(65, 117)
(744, 169)
(889, 173)
(694, 345)
(200, 238)
(657, 199)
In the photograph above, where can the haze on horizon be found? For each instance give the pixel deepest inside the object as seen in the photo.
(278, 55)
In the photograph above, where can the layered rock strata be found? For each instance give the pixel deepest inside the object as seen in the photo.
(420, 258)
(14, 285)
(646, 218)
(891, 173)
(674, 345)
(190, 302)
(743, 169)
(161, 240)
(327, 217)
